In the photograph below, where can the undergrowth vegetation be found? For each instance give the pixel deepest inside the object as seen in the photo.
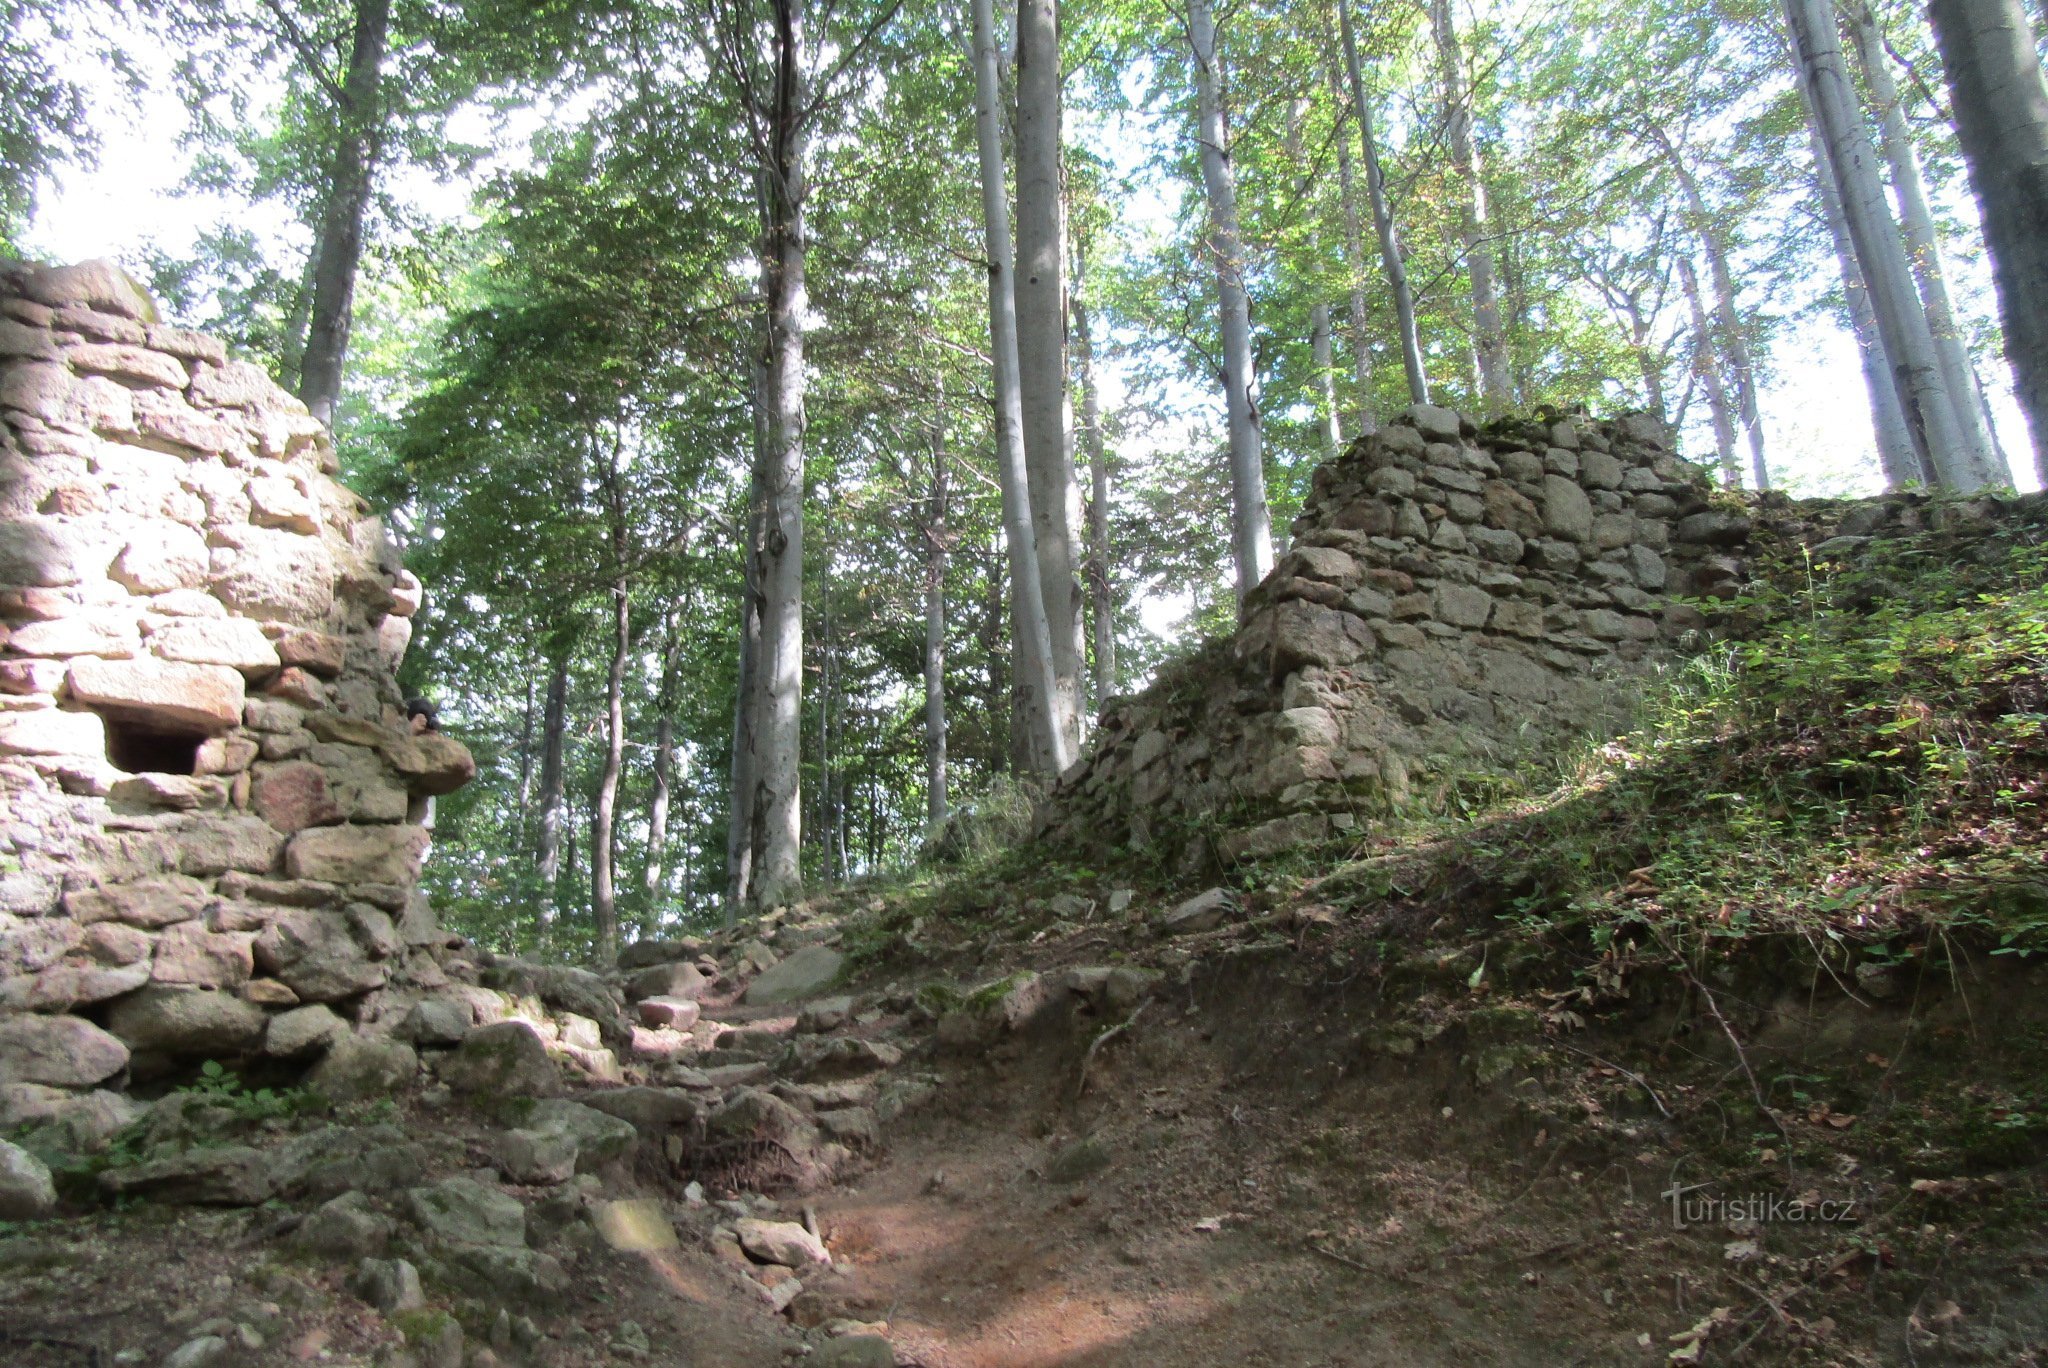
(1862, 759)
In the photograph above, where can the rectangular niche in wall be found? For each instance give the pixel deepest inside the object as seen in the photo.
(138, 748)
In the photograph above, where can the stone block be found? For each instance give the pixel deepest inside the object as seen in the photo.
(376, 854)
(1567, 513)
(234, 642)
(164, 694)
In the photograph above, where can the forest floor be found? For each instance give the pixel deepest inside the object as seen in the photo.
(1724, 1043)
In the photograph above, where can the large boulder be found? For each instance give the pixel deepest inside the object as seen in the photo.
(26, 1190)
(58, 1051)
(358, 854)
(317, 955)
(806, 974)
(503, 1059)
(462, 1211)
(192, 1022)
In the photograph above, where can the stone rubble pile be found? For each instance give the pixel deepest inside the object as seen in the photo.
(1451, 595)
(213, 809)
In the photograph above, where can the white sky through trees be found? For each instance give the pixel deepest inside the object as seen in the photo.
(1813, 403)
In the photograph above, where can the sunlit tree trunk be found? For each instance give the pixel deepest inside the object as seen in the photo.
(1895, 452)
(1908, 342)
(1707, 229)
(1391, 261)
(1034, 685)
(1326, 379)
(338, 247)
(1354, 270)
(2001, 115)
(1101, 603)
(1707, 366)
(776, 733)
(652, 880)
(604, 901)
(1251, 532)
(936, 535)
(1496, 382)
(1040, 285)
(1923, 248)
(554, 728)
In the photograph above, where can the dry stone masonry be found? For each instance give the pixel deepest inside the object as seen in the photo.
(214, 809)
(1451, 596)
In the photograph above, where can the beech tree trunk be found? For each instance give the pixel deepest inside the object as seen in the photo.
(2001, 116)
(1391, 261)
(604, 900)
(554, 727)
(1895, 452)
(1101, 603)
(1706, 228)
(1706, 365)
(653, 882)
(1034, 684)
(936, 534)
(1326, 378)
(1908, 342)
(1923, 248)
(1496, 381)
(338, 247)
(1354, 269)
(1040, 286)
(1251, 531)
(775, 731)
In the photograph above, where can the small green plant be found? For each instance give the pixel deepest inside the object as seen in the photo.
(219, 1084)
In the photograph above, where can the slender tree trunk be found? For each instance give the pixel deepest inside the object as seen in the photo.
(291, 350)
(553, 733)
(1040, 287)
(652, 882)
(526, 759)
(1102, 606)
(746, 708)
(1895, 452)
(339, 247)
(1734, 344)
(1707, 366)
(1908, 342)
(1035, 689)
(1648, 363)
(776, 730)
(2001, 114)
(1251, 531)
(604, 901)
(936, 535)
(1326, 379)
(1923, 248)
(1391, 260)
(1354, 269)
(1496, 382)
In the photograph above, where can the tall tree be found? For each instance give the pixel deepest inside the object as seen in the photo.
(338, 250)
(1923, 394)
(1040, 284)
(1049, 742)
(1251, 528)
(2001, 116)
(1923, 248)
(1895, 454)
(1391, 259)
(1495, 383)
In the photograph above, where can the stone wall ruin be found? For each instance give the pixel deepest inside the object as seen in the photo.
(1449, 591)
(214, 809)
